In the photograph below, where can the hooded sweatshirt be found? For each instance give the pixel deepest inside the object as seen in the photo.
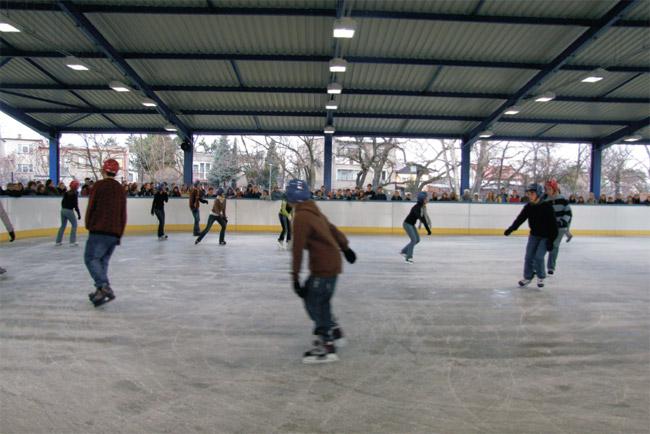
(313, 232)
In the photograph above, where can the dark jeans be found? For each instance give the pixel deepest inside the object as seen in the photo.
(211, 219)
(534, 261)
(197, 218)
(160, 215)
(317, 303)
(99, 248)
(415, 238)
(286, 228)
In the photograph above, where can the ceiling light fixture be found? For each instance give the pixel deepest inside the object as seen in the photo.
(148, 102)
(512, 110)
(595, 76)
(634, 138)
(8, 27)
(545, 97)
(338, 65)
(118, 86)
(331, 105)
(334, 88)
(485, 134)
(74, 63)
(344, 28)
(329, 129)
(170, 127)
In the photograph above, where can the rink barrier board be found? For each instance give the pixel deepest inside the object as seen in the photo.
(39, 217)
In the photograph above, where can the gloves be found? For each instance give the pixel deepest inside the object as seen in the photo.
(12, 236)
(549, 245)
(301, 291)
(350, 256)
(203, 201)
(78, 216)
(507, 232)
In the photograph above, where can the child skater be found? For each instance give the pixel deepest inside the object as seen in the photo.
(285, 221)
(69, 205)
(158, 208)
(418, 212)
(313, 232)
(218, 213)
(543, 231)
(563, 216)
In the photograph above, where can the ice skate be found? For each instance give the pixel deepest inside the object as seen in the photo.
(540, 282)
(408, 260)
(569, 235)
(323, 352)
(281, 245)
(198, 240)
(338, 336)
(162, 238)
(58, 244)
(222, 243)
(103, 296)
(75, 244)
(550, 271)
(2, 270)
(524, 282)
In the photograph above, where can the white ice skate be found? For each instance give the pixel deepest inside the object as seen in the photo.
(524, 282)
(540, 282)
(321, 353)
(281, 245)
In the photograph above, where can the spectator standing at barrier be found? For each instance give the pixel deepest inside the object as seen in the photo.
(380, 195)
(218, 213)
(418, 212)
(69, 205)
(543, 230)
(467, 196)
(105, 221)
(514, 197)
(313, 232)
(563, 217)
(158, 209)
(396, 196)
(285, 222)
(196, 198)
(10, 229)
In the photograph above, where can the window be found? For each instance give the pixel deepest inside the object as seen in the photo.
(24, 149)
(346, 175)
(24, 168)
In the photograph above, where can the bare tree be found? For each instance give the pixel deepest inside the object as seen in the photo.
(371, 154)
(90, 157)
(619, 174)
(428, 162)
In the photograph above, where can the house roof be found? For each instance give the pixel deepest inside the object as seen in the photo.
(416, 68)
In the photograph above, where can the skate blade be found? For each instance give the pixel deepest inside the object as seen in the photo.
(102, 301)
(314, 360)
(340, 343)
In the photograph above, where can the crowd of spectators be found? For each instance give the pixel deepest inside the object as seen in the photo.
(148, 189)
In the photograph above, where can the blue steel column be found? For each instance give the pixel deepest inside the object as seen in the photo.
(188, 163)
(54, 157)
(465, 159)
(594, 172)
(327, 162)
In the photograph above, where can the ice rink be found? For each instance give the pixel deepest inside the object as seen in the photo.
(208, 339)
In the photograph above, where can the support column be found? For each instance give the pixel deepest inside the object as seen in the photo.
(188, 161)
(327, 162)
(465, 159)
(594, 171)
(55, 163)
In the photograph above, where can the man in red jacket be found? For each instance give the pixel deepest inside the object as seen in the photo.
(105, 221)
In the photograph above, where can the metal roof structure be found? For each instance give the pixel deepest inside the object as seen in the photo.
(416, 68)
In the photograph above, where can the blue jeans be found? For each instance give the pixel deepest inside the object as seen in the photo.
(99, 249)
(415, 238)
(552, 255)
(211, 219)
(160, 215)
(317, 303)
(534, 261)
(67, 214)
(197, 218)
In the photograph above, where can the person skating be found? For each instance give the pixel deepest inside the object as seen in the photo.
(158, 209)
(543, 230)
(563, 216)
(218, 213)
(313, 232)
(10, 229)
(418, 212)
(69, 205)
(285, 221)
(196, 198)
(105, 221)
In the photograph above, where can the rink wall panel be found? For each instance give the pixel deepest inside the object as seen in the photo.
(40, 216)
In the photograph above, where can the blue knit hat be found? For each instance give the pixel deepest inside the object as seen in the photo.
(298, 191)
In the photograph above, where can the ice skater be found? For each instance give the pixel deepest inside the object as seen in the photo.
(196, 199)
(313, 232)
(105, 221)
(543, 230)
(10, 229)
(69, 205)
(418, 212)
(285, 221)
(563, 216)
(158, 208)
(218, 213)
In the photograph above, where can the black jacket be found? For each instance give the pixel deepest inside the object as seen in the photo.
(417, 212)
(159, 200)
(541, 220)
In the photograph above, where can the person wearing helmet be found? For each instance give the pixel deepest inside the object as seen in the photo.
(218, 213)
(418, 212)
(196, 199)
(105, 221)
(313, 232)
(563, 216)
(158, 209)
(543, 230)
(285, 221)
(69, 203)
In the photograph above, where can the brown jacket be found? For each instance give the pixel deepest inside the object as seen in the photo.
(195, 198)
(219, 208)
(106, 212)
(312, 231)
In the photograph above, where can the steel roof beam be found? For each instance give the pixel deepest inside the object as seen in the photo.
(320, 59)
(315, 12)
(604, 142)
(582, 42)
(88, 29)
(22, 117)
(319, 91)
